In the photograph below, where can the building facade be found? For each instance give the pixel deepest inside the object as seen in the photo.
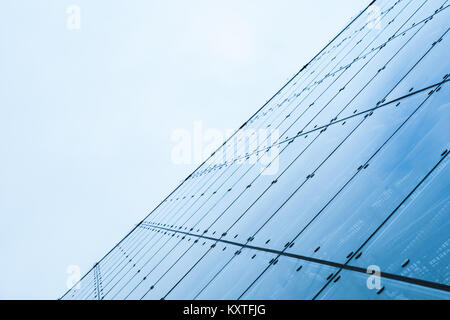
(337, 188)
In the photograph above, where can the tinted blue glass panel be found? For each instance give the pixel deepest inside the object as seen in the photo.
(353, 286)
(351, 178)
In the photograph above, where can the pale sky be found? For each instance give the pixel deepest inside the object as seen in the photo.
(86, 116)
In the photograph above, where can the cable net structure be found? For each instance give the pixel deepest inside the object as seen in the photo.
(347, 197)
